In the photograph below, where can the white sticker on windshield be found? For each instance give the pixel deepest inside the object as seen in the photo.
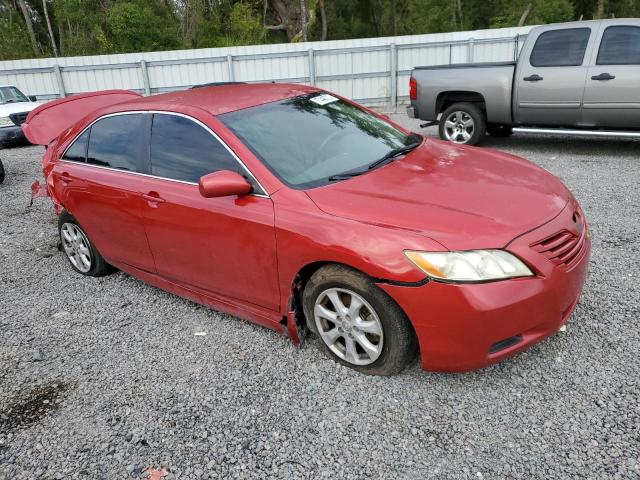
(324, 99)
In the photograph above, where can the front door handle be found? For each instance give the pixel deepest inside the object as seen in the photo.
(533, 78)
(603, 76)
(153, 198)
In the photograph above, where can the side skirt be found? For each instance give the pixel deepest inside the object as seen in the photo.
(261, 316)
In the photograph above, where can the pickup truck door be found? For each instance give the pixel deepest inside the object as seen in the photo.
(612, 92)
(550, 76)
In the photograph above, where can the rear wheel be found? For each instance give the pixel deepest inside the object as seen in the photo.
(498, 130)
(1, 172)
(358, 324)
(463, 123)
(81, 253)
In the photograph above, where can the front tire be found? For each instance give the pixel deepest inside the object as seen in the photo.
(357, 324)
(463, 123)
(81, 253)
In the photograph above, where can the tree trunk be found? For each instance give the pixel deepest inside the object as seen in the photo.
(600, 10)
(303, 20)
(29, 23)
(525, 14)
(53, 40)
(323, 17)
(460, 14)
(61, 36)
(394, 19)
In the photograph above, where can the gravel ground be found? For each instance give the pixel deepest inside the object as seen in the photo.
(104, 378)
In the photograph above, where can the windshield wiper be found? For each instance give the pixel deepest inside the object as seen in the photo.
(344, 176)
(396, 152)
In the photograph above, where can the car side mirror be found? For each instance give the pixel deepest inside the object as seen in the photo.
(223, 183)
(33, 98)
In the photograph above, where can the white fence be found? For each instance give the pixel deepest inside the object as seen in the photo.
(373, 70)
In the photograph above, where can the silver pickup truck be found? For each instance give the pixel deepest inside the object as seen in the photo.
(579, 77)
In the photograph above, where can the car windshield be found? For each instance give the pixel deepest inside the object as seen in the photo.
(312, 140)
(11, 95)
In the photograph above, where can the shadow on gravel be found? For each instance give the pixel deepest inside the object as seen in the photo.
(30, 407)
(566, 145)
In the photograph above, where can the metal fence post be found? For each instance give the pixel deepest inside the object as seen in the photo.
(470, 46)
(58, 74)
(145, 77)
(232, 77)
(393, 83)
(312, 68)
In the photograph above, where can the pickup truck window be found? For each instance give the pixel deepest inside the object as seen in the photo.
(11, 95)
(620, 45)
(560, 48)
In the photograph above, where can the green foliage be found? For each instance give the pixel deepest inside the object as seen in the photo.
(542, 11)
(89, 27)
(238, 24)
(136, 26)
(15, 43)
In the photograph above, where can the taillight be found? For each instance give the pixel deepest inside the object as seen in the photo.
(413, 89)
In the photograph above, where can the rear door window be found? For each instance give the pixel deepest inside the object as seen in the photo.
(183, 150)
(116, 142)
(620, 45)
(560, 48)
(77, 152)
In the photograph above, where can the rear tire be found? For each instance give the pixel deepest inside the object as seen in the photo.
(1, 172)
(463, 123)
(499, 130)
(81, 253)
(368, 331)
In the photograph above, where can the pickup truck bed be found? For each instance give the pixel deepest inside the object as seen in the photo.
(443, 85)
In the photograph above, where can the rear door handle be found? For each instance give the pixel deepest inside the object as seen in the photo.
(533, 78)
(153, 198)
(603, 76)
(65, 177)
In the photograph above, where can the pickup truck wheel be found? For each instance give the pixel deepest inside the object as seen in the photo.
(463, 123)
(497, 130)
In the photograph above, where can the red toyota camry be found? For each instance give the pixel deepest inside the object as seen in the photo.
(295, 208)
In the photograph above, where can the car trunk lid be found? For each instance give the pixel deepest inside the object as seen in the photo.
(46, 122)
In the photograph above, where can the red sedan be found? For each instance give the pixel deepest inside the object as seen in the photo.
(295, 208)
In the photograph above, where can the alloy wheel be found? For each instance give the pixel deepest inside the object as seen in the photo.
(459, 127)
(349, 326)
(76, 246)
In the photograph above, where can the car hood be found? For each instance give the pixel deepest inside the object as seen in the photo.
(7, 109)
(463, 197)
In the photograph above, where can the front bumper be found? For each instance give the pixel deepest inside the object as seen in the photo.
(11, 134)
(469, 326)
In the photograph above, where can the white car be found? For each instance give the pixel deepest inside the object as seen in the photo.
(14, 108)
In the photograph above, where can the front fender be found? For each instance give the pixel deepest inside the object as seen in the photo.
(306, 235)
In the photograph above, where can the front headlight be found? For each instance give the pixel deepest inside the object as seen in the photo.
(5, 122)
(470, 265)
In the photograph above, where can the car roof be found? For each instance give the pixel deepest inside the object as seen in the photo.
(220, 99)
